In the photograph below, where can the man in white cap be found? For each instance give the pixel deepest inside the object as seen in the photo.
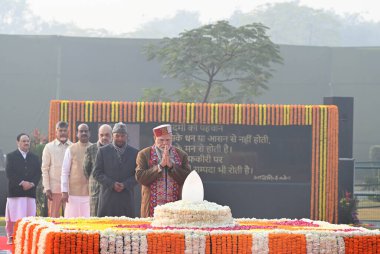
(161, 170)
(115, 166)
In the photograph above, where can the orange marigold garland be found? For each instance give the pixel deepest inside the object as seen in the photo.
(224, 114)
(336, 155)
(118, 112)
(150, 111)
(266, 236)
(67, 239)
(313, 175)
(15, 228)
(138, 111)
(78, 245)
(317, 169)
(278, 113)
(204, 113)
(236, 114)
(30, 236)
(184, 112)
(62, 243)
(96, 243)
(123, 112)
(231, 111)
(50, 237)
(329, 171)
(23, 235)
(247, 114)
(192, 112)
(69, 114)
(85, 243)
(324, 127)
(253, 114)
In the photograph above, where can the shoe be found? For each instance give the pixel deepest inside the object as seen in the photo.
(10, 240)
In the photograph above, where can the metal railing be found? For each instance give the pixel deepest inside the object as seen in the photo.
(367, 191)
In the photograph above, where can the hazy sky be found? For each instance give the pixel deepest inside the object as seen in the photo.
(128, 15)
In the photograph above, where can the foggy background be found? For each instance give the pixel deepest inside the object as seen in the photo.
(312, 23)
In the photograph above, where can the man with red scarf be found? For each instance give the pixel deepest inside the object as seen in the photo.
(161, 170)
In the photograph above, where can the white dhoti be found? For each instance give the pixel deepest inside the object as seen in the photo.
(78, 206)
(18, 208)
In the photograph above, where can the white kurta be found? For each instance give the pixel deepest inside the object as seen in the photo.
(78, 206)
(19, 207)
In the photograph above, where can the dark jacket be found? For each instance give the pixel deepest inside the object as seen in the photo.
(19, 169)
(108, 170)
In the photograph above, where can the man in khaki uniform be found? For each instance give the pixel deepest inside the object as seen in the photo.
(74, 183)
(52, 158)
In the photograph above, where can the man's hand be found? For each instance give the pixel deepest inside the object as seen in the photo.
(65, 197)
(49, 195)
(166, 158)
(27, 185)
(118, 187)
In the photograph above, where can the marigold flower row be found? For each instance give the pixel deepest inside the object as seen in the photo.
(45, 235)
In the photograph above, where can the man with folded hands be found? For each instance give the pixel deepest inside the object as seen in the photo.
(161, 170)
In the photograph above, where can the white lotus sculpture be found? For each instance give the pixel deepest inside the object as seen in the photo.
(192, 189)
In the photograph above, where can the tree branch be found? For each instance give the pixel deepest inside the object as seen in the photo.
(228, 79)
(204, 68)
(197, 78)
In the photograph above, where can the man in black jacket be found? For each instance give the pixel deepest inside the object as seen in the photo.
(115, 166)
(23, 170)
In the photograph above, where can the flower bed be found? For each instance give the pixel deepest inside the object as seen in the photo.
(126, 235)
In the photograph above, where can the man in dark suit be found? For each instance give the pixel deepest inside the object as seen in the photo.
(115, 170)
(23, 170)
